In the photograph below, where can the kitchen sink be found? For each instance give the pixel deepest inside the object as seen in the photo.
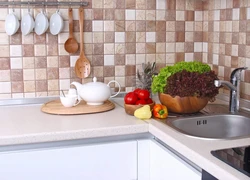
(213, 123)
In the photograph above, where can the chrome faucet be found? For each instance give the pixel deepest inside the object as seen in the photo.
(234, 86)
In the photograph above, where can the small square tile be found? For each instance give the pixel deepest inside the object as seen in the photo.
(150, 36)
(119, 37)
(97, 25)
(108, 60)
(130, 14)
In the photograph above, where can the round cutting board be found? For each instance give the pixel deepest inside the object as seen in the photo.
(55, 107)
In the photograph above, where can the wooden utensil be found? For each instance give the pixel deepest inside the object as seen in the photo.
(71, 45)
(82, 66)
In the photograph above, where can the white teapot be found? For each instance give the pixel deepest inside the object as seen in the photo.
(95, 93)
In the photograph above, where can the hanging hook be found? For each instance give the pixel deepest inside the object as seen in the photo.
(13, 9)
(28, 6)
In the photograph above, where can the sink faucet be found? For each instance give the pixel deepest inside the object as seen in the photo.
(234, 86)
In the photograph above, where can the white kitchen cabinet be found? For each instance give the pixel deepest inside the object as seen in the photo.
(110, 161)
(156, 162)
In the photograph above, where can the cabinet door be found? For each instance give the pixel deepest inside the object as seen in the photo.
(111, 161)
(166, 165)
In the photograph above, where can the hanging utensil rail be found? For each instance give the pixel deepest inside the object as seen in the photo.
(30, 3)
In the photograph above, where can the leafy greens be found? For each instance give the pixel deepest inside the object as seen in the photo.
(159, 82)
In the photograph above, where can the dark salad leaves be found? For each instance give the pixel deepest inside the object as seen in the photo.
(186, 83)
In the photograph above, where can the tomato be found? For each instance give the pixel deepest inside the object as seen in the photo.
(130, 98)
(136, 91)
(143, 94)
(149, 101)
(141, 101)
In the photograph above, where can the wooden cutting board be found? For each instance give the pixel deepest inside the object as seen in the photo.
(55, 107)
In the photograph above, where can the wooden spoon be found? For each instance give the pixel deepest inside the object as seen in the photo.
(82, 66)
(71, 45)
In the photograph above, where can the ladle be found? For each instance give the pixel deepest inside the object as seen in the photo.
(71, 45)
(82, 66)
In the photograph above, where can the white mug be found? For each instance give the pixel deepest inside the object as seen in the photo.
(69, 100)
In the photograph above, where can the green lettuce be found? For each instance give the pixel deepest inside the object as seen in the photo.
(160, 81)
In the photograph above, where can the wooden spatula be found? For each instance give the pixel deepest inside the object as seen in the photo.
(82, 66)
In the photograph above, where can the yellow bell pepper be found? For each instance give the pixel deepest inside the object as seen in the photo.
(143, 113)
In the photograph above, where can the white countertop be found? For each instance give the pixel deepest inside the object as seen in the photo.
(27, 124)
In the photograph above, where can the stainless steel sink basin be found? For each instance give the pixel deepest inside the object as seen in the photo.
(213, 125)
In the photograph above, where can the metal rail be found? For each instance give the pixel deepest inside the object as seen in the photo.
(45, 3)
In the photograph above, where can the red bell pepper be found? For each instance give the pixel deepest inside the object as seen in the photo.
(160, 111)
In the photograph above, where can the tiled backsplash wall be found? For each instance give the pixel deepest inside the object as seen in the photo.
(119, 35)
(226, 37)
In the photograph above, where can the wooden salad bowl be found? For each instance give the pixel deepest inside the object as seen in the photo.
(130, 109)
(183, 105)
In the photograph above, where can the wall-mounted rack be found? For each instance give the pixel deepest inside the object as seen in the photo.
(45, 3)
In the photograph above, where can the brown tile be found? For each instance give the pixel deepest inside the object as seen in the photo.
(41, 86)
(109, 14)
(198, 5)
(189, 47)
(205, 36)
(223, 14)
(210, 26)
(150, 48)
(227, 72)
(221, 60)
(170, 4)
(130, 81)
(119, 14)
(130, 70)
(16, 39)
(109, 37)
(108, 71)
(242, 50)
(141, 26)
(150, 26)
(64, 61)
(228, 49)
(4, 63)
(161, 36)
(98, 49)
(236, 3)
(130, 4)
(189, 15)
(198, 56)
(130, 36)
(120, 4)
(245, 96)
(52, 73)
(119, 26)
(98, 60)
(215, 69)
(180, 26)
(247, 76)
(180, 57)
(151, 4)
(160, 26)
(210, 58)
(171, 15)
(16, 75)
(87, 26)
(119, 59)
(243, 26)
(243, 13)
(198, 36)
(39, 39)
(89, 6)
(130, 48)
(40, 62)
(28, 50)
(235, 38)
(17, 87)
(210, 37)
(97, 14)
(180, 36)
(52, 39)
